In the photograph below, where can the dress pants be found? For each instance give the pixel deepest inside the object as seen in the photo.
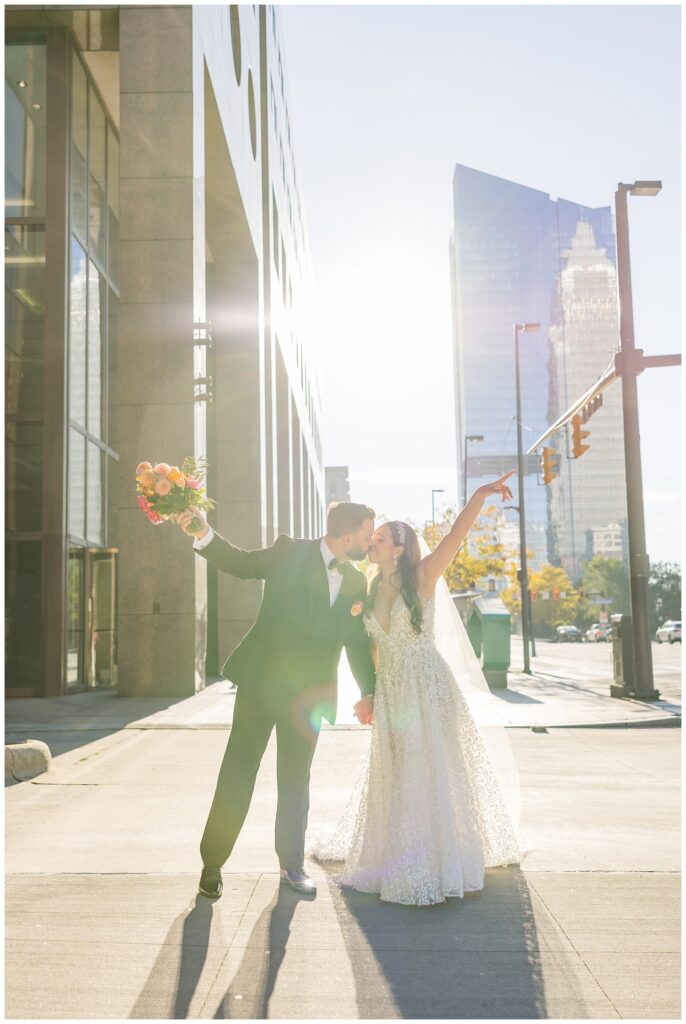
(297, 721)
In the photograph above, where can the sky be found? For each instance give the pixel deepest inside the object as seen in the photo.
(384, 101)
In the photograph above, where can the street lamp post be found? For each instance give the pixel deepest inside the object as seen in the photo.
(524, 580)
(434, 492)
(468, 437)
(639, 566)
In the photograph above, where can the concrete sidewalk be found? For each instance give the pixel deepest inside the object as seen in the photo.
(570, 687)
(104, 921)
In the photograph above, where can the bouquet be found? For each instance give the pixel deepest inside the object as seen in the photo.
(162, 491)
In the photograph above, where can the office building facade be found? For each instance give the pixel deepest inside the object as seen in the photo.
(157, 288)
(519, 256)
(337, 480)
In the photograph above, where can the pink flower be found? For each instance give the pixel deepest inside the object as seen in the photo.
(142, 503)
(192, 483)
(147, 478)
(162, 468)
(143, 467)
(163, 486)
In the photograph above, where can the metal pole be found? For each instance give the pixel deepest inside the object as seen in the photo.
(638, 558)
(524, 582)
(464, 474)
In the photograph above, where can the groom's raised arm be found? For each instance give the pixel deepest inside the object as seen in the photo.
(246, 565)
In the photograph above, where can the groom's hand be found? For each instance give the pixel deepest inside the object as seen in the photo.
(184, 519)
(364, 710)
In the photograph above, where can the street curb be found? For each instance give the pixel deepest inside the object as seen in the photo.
(669, 721)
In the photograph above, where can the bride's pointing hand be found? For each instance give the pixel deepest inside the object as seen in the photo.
(497, 487)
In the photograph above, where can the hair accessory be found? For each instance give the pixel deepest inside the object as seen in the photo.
(400, 527)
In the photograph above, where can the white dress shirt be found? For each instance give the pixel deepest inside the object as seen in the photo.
(200, 543)
(334, 575)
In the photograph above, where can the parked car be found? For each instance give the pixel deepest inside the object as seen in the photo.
(669, 630)
(599, 632)
(568, 635)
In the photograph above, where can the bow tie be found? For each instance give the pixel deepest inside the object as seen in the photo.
(335, 564)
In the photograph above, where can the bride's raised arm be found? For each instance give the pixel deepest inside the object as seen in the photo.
(432, 567)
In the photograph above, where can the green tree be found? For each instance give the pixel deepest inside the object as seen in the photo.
(664, 593)
(607, 577)
(555, 601)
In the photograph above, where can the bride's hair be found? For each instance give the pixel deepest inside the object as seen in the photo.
(403, 534)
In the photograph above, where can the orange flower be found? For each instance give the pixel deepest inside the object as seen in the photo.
(357, 608)
(174, 474)
(181, 482)
(147, 478)
(162, 469)
(163, 487)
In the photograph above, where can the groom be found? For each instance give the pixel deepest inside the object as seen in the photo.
(285, 669)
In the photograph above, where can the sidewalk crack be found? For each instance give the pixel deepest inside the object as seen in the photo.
(576, 951)
(228, 948)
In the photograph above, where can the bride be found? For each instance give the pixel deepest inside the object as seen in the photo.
(428, 814)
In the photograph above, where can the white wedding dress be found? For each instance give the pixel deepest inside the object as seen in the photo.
(427, 815)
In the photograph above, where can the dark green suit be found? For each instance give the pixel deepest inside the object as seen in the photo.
(285, 669)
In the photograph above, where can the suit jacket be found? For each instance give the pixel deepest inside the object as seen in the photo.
(294, 647)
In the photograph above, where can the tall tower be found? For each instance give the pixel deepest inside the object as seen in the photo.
(509, 249)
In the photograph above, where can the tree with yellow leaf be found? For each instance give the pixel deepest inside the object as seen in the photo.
(481, 556)
(554, 600)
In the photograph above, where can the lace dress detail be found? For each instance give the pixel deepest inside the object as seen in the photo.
(427, 815)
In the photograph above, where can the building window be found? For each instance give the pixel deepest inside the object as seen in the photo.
(25, 129)
(275, 232)
(252, 116)
(79, 149)
(78, 307)
(235, 22)
(23, 614)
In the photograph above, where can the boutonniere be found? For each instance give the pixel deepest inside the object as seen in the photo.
(357, 608)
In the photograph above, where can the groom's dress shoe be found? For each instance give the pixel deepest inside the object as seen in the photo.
(298, 880)
(211, 883)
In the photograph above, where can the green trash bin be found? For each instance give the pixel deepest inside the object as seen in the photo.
(488, 628)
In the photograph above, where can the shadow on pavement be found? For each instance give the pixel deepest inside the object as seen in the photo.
(173, 980)
(186, 946)
(476, 957)
(255, 977)
(68, 722)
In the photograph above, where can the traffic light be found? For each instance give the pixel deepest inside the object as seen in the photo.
(591, 407)
(578, 435)
(550, 465)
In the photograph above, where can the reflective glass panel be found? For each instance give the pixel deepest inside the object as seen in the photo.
(77, 334)
(112, 373)
(112, 533)
(77, 484)
(23, 626)
(23, 476)
(24, 319)
(25, 129)
(113, 206)
(96, 178)
(96, 347)
(75, 616)
(79, 147)
(96, 494)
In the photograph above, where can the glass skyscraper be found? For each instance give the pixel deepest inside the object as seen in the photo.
(517, 255)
